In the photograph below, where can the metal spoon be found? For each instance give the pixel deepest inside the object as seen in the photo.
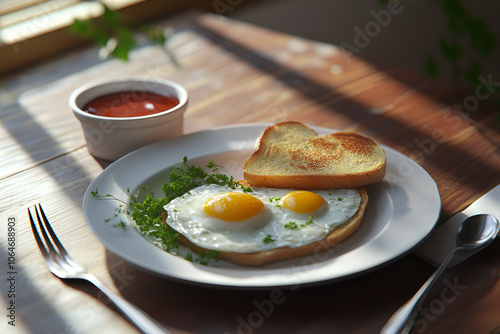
(475, 232)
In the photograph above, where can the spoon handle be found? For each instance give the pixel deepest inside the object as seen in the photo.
(402, 321)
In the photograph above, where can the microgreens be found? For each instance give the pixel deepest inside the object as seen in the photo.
(268, 239)
(294, 226)
(307, 222)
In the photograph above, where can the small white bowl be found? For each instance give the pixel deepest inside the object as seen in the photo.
(110, 138)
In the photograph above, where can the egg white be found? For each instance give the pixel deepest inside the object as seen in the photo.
(185, 214)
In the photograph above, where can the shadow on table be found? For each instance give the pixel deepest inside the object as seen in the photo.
(25, 305)
(326, 306)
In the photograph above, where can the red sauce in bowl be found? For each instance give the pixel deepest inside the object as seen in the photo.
(130, 104)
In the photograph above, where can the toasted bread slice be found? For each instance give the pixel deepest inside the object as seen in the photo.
(292, 155)
(260, 258)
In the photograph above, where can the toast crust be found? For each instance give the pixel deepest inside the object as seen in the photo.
(260, 258)
(290, 154)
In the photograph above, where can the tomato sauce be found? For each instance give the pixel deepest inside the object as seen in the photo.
(130, 104)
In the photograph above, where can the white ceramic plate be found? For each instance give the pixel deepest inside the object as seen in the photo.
(402, 210)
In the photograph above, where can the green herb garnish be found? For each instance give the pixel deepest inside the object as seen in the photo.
(268, 239)
(149, 214)
(294, 226)
(307, 222)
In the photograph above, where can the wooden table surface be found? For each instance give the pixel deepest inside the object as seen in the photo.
(238, 73)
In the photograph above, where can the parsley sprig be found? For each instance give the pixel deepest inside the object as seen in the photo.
(294, 226)
(268, 239)
(149, 214)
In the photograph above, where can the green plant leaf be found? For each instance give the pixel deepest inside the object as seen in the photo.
(472, 73)
(451, 50)
(126, 43)
(155, 34)
(481, 38)
(81, 28)
(457, 16)
(431, 67)
(111, 17)
(87, 30)
(115, 38)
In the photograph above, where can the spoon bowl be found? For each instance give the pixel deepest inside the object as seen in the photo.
(476, 231)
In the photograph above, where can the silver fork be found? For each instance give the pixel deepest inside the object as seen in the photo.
(64, 267)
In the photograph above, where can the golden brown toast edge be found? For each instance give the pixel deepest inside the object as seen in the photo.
(353, 180)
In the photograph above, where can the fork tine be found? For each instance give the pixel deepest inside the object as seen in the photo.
(37, 236)
(53, 235)
(62, 257)
(50, 247)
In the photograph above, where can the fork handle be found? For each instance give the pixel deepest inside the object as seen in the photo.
(135, 315)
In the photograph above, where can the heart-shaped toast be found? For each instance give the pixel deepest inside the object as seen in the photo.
(292, 155)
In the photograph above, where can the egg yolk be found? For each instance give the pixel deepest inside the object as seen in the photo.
(233, 206)
(302, 201)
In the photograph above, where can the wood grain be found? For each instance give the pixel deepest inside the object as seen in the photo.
(238, 73)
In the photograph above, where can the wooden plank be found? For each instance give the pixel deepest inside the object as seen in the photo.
(42, 300)
(264, 77)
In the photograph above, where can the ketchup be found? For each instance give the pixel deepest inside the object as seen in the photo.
(130, 104)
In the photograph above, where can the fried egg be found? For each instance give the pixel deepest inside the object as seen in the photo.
(225, 219)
